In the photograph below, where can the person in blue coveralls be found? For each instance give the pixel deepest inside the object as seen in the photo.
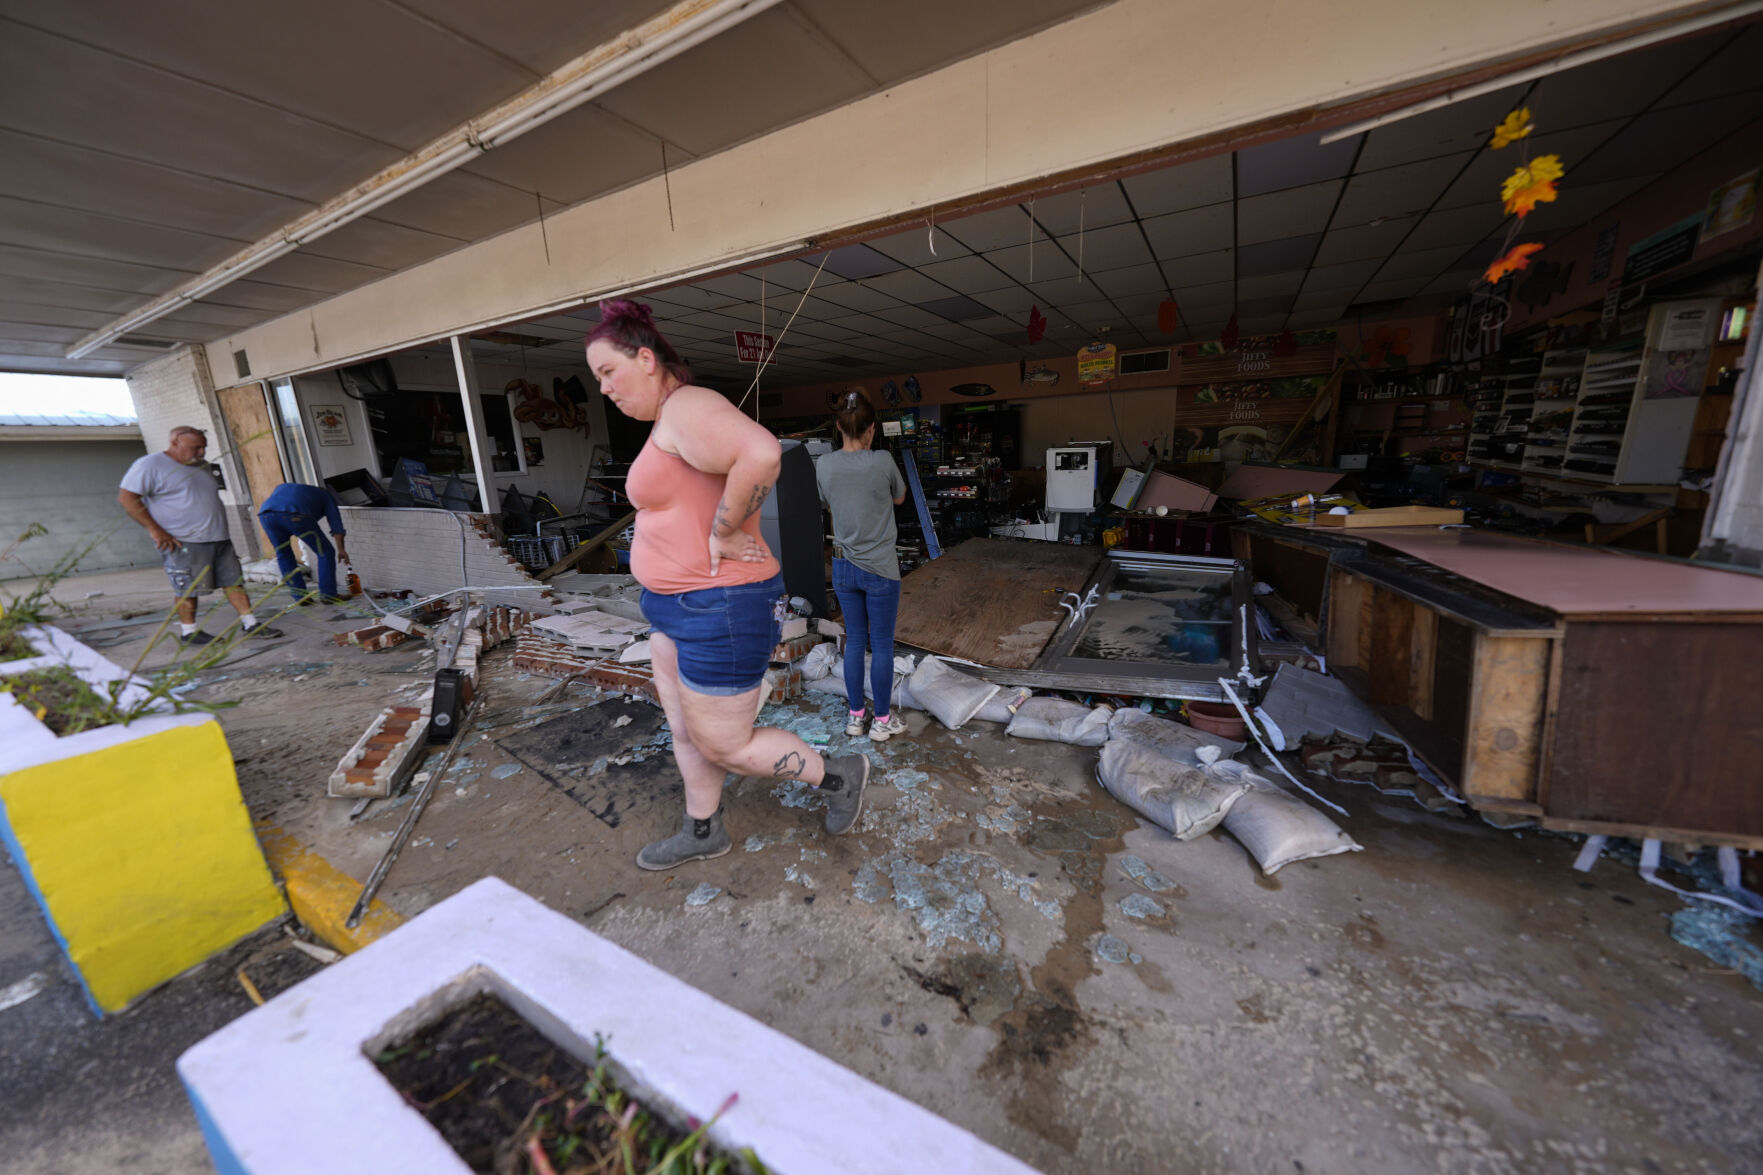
(293, 512)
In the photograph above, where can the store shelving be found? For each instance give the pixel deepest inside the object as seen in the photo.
(1551, 418)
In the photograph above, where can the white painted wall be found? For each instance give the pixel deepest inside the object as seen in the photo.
(1107, 87)
(70, 487)
(176, 390)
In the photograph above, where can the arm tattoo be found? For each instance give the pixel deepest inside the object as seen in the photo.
(757, 498)
(722, 526)
(790, 766)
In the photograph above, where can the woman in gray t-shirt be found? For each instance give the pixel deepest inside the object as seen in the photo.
(861, 487)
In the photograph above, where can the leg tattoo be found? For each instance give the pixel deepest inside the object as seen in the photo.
(790, 766)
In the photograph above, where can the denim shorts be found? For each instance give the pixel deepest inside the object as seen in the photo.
(724, 635)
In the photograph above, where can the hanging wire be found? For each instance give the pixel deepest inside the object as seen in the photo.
(1031, 240)
(766, 361)
(1081, 197)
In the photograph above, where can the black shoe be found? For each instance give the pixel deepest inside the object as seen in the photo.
(843, 788)
(195, 638)
(696, 840)
(306, 601)
(335, 600)
(265, 631)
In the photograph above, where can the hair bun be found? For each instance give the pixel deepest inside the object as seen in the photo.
(615, 309)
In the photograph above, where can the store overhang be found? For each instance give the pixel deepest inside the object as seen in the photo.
(841, 126)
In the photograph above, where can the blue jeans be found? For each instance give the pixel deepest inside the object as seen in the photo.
(870, 603)
(283, 527)
(724, 636)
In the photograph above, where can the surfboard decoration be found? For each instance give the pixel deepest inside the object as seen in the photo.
(975, 390)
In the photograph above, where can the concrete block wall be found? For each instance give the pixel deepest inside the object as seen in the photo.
(431, 551)
(175, 390)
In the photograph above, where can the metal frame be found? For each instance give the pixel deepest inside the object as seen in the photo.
(1060, 668)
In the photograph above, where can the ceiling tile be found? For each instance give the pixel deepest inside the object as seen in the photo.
(1457, 226)
(913, 247)
(1109, 248)
(1314, 317)
(1270, 284)
(1090, 209)
(1033, 263)
(796, 274)
(1262, 323)
(997, 229)
(996, 325)
(1290, 213)
(1186, 185)
(1013, 301)
(1662, 139)
(1067, 291)
(1733, 68)
(858, 261)
(1138, 306)
(856, 296)
(47, 293)
(1403, 190)
(1343, 278)
(908, 286)
(1421, 263)
(918, 317)
(1216, 266)
(1617, 87)
(1461, 126)
(1137, 279)
(1364, 243)
(968, 275)
(1384, 291)
(1277, 256)
(1212, 295)
(1277, 304)
(1456, 281)
(692, 296)
(57, 229)
(865, 324)
(1292, 163)
(1197, 230)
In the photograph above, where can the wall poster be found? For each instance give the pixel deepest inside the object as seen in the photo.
(331, 425)
(1731, 205)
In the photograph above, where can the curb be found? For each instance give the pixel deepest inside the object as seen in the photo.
(322, 895)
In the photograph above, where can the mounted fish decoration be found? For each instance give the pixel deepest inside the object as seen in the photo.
(891, 393)
(975, 390)
(1039, 374)
(913, 391)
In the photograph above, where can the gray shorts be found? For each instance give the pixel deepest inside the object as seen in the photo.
(198, 568)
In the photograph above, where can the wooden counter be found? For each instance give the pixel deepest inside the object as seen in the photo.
(1595, 690)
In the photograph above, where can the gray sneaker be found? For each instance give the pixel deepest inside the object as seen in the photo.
(264, 631)
(846, 776)
(696, 840)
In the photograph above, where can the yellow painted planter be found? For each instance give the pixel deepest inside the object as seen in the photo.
(133, 839)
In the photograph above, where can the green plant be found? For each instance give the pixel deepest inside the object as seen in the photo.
(58, 699)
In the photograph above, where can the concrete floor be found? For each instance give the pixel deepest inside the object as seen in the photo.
(1452, 998)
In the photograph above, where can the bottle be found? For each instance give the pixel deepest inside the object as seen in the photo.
(354, 582)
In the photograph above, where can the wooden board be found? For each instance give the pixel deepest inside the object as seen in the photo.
(1658, 726)
(1392, 516)
(247, 419)
(1502, 757)
(994, 601)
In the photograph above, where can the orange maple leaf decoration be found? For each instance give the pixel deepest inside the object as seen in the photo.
(1531, 184)
(1387, 341)
(1513, 260)
(1515, 126)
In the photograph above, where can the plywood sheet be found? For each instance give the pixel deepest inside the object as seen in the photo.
(993, 601)
(247, 418)
(1578, 580)
(1657, 726)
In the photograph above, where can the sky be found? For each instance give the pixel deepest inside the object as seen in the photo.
(64, 395)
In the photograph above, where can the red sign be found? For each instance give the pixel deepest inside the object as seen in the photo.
(752, 347)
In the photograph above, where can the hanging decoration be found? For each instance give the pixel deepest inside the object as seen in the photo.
(1531, 183)
(1037, 324)
(1168, 316)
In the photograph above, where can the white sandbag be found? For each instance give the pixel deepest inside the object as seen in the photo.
(949, 694)
(1183, 799)
(821, 660)
(1177, 740)
(1059, 721)
(1004, 704)
(1275, 826)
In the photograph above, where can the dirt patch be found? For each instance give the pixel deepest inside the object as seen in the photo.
(59, 699)
(497, 1088)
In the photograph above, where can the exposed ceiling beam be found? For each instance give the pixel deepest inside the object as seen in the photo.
(686, 24)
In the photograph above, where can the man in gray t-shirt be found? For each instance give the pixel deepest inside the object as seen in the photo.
(174, 496)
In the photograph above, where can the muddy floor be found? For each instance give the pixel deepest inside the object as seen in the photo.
(1000, 941)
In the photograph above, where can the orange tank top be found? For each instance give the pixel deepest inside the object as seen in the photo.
(676, 505)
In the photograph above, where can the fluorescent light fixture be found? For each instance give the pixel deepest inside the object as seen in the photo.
(684, 26)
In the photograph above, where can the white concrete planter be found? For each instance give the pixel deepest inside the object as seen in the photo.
(133, 839)
(290, 1088)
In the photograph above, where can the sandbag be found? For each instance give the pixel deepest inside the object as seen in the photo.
(821, 660)
(1176, 740)
(1057, 720)
(1275, 826)
(834, 683)
(1004, 704)
(1181, 798)
(952, 696)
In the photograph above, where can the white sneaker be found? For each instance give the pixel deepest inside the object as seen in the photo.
(854, 728)
(881, 730)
